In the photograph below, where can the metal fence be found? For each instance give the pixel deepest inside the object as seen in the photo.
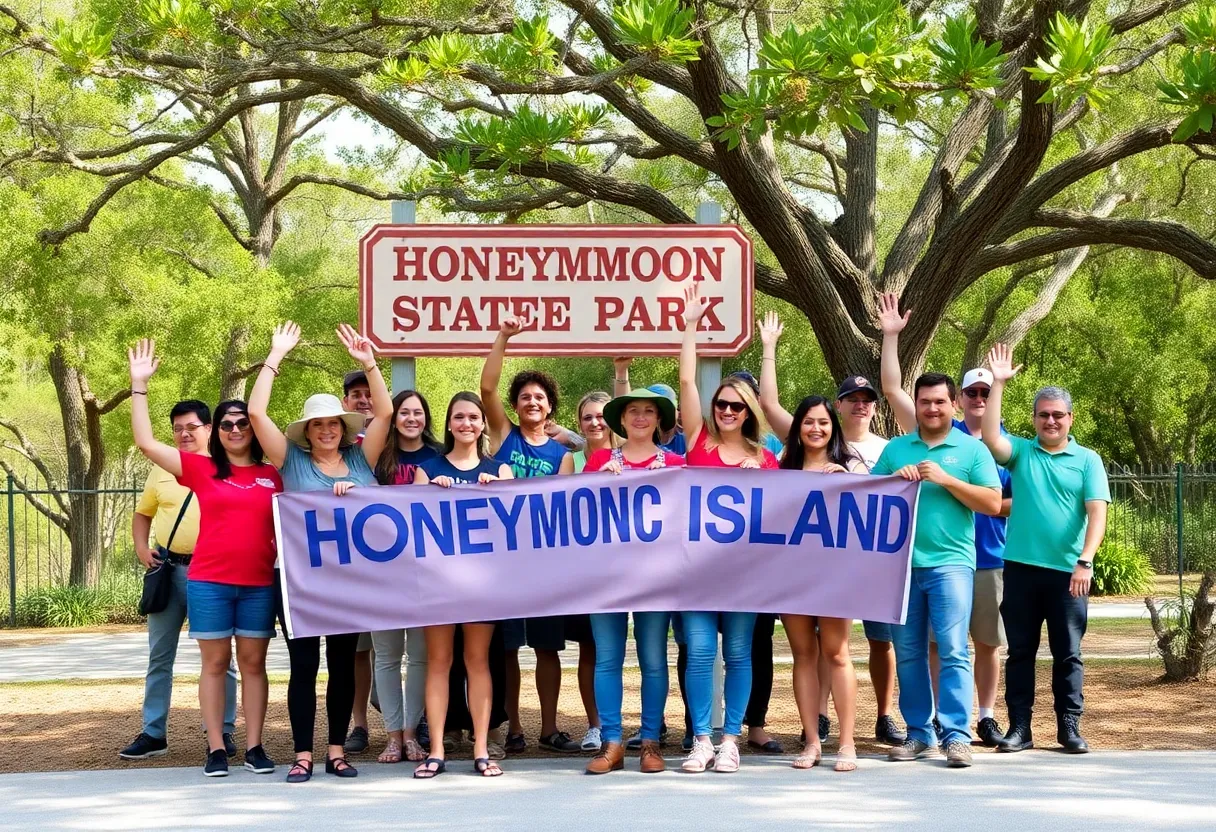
(1166, 513)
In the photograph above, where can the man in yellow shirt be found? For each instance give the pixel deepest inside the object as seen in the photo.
(168, 514)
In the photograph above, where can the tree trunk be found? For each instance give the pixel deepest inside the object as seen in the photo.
(85, 461)
(1190, 662)
(232, 375)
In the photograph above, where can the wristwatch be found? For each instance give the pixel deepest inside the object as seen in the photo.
(1085, 564)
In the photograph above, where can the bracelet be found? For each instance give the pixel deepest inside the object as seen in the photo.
(139, 392)
(371, 368)
(622, 381)
(272, 369)
(769, 358)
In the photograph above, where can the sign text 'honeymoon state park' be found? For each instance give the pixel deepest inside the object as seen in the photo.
(587, 290)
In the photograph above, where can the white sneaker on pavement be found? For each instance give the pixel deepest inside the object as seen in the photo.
(592, 740)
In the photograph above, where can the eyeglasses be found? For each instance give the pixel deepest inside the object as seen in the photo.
(976, 392)
(734, 407)
(241, 424)
(1052, 417)
(190, 428)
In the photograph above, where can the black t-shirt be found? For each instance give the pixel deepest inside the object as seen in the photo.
(440, 467)
(409, 461)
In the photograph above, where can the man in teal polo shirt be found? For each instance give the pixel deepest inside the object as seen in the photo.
(958, 478)
(1055, 528)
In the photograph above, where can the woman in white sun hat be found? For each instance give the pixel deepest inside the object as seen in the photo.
(318, 452)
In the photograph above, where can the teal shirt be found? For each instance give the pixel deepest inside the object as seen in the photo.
(300, 473)
(1048, 522)
(945, 528)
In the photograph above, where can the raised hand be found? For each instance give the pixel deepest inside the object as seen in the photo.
(770, 329)
(512, 327)
(361, 349)
(1000, 359)
(889, 319)
(694, 305)
(142, 362)
(286, 336)
(621, 365)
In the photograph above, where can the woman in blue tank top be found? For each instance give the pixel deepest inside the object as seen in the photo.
(465, 460)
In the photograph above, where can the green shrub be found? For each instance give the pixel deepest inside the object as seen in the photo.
(1121, 569)
(62, 606)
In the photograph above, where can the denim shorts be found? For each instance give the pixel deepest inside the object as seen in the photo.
(877, 631)
(223, 610)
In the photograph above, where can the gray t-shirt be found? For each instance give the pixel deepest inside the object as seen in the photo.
(301, 474)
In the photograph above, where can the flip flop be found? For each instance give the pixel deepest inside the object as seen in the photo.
(486, 767)
(770, 747)
(425, 772)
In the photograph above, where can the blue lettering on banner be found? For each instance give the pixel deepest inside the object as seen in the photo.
(850, 512)
(552, 524)
(337, 535)
(509, 518)
(584, 516)
(367, 513)
(694, 514)
(724, 512)
(646, 534)
(616, 515)
(756, 532)
(441, 532)
(466, 524)
(813, 520)
(885, 543)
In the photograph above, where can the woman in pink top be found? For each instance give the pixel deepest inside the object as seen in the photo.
(732, 438)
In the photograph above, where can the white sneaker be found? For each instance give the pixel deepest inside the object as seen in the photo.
(591, 740)
(635, 742)
(700, 757)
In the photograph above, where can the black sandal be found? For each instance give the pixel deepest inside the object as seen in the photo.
(515, 744)
(301, 771)
(425, 772)
(338, 767)
(487, 767)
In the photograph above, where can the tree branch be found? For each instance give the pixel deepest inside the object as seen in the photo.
(62, 519)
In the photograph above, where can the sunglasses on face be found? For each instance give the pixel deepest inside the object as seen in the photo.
(722, 405)
(190, 428)
(1052, 417)
(976, 392)
(240, 424)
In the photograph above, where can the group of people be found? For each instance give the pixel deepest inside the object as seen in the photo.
(1006, 532)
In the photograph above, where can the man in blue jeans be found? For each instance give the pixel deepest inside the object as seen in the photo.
(958, 478)
(163, 507)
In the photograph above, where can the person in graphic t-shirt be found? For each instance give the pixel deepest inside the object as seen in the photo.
(733, 437)
(531, 453)
(640, 417)
(230, 587)
(465, 460)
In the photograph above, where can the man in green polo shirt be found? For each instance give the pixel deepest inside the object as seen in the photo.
(958, 478)
(1055, 528)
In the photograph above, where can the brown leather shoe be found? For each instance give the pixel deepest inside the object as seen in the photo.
(610, 758)
(652, 758)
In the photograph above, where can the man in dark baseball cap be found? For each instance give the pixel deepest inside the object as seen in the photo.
(856, 384)
(356, 394)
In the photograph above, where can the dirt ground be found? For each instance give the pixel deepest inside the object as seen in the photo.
(82, 725)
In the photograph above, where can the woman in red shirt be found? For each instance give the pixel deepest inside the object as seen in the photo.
(732, 438)
(230, 591)
(642, 417)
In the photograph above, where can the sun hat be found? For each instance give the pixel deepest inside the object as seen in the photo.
(664, 390)
(323, 406)
(615, 408)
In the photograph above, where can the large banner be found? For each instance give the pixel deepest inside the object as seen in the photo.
(584, 289)
(836, 545)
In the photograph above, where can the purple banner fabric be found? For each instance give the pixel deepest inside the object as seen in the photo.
(724, 539)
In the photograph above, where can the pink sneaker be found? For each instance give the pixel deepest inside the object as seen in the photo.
(700, 757)
(727, 760)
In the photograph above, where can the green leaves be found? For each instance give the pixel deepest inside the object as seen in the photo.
(966, 61)
(1194, 90)
(1194, 85)
(183, 20)
(659, 27)
(447, 54)
(408, 72)
(81, 44)
(1071, 69)
(529, 135)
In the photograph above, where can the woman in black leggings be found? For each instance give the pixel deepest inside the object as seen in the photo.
(320, 451)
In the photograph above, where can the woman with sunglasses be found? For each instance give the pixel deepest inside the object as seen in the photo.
(230, 588)
(321, 452)
(816, 443)
(733, 437)
(641, 417)
(465, 460)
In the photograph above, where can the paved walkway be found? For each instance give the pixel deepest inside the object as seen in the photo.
(1036, 790)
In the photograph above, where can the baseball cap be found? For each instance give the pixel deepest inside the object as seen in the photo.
(353, 379)
(977, 376)
(665, 391)
(856, 384)
(744, 375)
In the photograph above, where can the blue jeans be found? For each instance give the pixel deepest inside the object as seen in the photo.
(701, 633)
(164, 629)
(939, 596)
(650, 636)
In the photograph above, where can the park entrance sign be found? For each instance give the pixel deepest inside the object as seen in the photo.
(444, 290)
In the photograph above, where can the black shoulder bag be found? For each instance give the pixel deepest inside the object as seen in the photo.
(158, 581)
